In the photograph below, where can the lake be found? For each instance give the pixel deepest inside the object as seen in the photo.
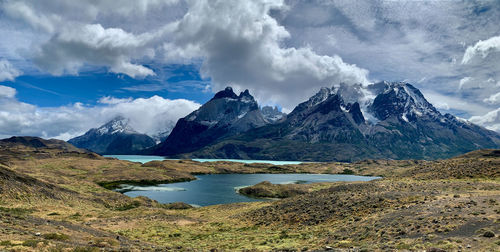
(222, 188)
(145, 159)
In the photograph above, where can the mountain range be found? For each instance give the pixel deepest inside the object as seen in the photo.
(390, 120)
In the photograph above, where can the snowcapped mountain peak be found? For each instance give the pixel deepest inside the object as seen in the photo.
(119, 124)
(321, 96)
(272, 114)
(114, 137)
(246, 97)
(400, 99)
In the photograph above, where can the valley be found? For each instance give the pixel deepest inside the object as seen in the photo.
(53, 198)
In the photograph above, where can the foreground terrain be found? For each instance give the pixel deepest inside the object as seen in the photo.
(54, 197)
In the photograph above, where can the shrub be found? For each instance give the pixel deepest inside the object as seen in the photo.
(56, 236)
(347, 171)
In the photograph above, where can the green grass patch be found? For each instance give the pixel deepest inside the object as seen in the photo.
(134, 204)
(5, 243)
(15, 211)
(347, 171)
(56, 236)
(111, 185)
(31, 243)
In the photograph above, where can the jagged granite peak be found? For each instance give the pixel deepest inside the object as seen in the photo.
(114, 137)
(334, 125)
(226, 93)
(401, 100)
(224, 115)
(355, 111)
(319, 97)
(272, 114)
(224, 107)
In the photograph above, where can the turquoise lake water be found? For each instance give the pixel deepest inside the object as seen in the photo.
(222, 188)
(145, 159)
(216, 189)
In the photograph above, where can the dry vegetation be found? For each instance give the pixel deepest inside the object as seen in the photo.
(51, 200)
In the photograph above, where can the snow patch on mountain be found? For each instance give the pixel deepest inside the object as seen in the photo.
(119, 124)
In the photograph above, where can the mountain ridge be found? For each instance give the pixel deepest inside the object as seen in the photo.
(339, 124)
(224, 115)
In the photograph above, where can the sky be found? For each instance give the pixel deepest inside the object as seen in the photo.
(68, 66)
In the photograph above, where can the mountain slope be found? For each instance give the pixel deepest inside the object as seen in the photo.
(36, 142)
(114, 137)
(340, 124)
(226, 114)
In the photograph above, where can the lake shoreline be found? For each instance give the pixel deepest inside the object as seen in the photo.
(217, 168)
(214, 189)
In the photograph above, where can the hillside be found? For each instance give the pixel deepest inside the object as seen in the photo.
(51, 200)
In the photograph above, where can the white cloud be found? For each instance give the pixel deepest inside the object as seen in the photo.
(242, 46)
(8, 71)
(113, 100)
(482, 47)
(446, 102)
(147, 115)
(493, 99)
(77, 38)
(7, 92)
(283, 51)
(93, 44)
(490, 120)
(463, 81)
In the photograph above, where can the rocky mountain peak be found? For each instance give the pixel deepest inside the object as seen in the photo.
(402, 100)
(118, 124)
(226, 93)
(224, 115)
(272, 114)
(355, 111)
(321, 96)
(114, 137)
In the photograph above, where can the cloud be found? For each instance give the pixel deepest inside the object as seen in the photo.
(490, 120)
(21, 10)
(448, 103)
(76, 36)
(239, 42)
(482, 47)
(7, 92)
(242, 45)
(113, 100)
(70, 49)
(463, 81)
(283, 51)
(147, 115)
(7, 71)
(493, 99)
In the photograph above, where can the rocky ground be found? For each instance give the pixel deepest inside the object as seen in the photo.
(54, 199)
